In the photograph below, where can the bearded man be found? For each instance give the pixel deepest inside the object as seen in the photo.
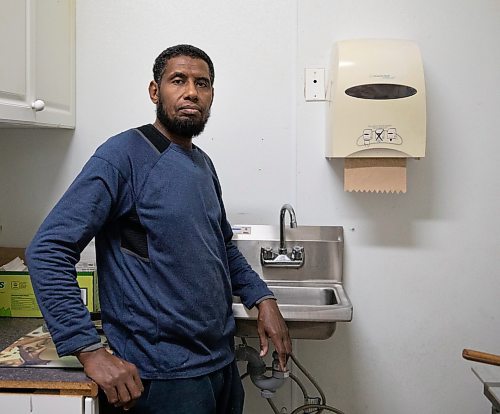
(167, 267)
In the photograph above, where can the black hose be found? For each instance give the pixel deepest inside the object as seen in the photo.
(309, 377)
(273, 406)
(301, 386)
(318, 406)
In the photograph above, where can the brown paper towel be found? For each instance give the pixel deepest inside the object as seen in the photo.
(375, 175)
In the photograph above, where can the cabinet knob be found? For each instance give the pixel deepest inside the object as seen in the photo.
(38, 105)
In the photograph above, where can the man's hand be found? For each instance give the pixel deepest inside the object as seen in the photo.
(118, 379)
(270, 323)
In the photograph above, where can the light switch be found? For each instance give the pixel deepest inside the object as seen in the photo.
(314, 86)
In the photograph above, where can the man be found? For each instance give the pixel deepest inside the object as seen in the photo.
(166, 264)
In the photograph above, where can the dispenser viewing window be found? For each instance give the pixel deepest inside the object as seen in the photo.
(377, 100)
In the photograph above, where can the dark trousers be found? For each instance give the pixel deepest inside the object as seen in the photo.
(220, 392)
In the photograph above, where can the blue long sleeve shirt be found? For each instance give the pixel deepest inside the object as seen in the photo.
(166, 265)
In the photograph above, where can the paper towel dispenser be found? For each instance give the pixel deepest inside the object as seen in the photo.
(376, 100)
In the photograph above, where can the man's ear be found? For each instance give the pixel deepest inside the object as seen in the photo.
(153, 92)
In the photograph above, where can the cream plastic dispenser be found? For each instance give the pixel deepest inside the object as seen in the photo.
(377, 100)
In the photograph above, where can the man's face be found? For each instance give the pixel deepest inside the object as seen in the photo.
(184, 96)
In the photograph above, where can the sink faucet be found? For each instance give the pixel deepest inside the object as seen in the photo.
(270, 258)
(293, 224)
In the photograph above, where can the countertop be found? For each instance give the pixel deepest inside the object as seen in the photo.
(62, 380)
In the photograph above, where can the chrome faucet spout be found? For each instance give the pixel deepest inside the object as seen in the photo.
(293, 224)
(293, 260)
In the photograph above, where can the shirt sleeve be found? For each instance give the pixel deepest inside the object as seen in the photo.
(89, 202)
(245, 282)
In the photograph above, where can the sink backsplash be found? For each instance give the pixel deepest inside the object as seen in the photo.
(323, 251)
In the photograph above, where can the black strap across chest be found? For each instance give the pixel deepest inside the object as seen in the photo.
(155, 137)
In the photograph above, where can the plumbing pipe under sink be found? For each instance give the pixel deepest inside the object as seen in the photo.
(268, 385)
(256, 368)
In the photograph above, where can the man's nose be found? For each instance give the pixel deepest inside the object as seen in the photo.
(191, 92)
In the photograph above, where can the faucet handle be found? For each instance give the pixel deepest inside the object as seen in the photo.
(267, 253)
(297, 253)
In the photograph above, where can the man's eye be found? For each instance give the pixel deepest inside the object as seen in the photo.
(202, 84)
(177, 81)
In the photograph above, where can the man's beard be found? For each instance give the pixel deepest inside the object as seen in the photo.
(184, 127)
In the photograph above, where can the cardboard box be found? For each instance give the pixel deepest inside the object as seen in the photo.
(17, 298)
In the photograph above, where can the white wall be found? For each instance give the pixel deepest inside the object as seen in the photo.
(419, 266)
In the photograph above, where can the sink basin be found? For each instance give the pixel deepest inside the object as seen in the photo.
(311, 311)
(301, 296)
(311, 298)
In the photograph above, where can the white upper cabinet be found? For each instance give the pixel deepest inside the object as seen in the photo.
(37, 62)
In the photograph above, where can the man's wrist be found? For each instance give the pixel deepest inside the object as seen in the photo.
(89, 348)
(264, 298)
(84, 356)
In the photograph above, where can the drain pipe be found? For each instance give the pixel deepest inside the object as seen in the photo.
(256, 368)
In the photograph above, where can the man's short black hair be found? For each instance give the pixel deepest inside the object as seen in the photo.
(180, 50)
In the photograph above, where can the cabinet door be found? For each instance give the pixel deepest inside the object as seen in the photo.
(50, 404)
(37, 62)
(54, 67)
(15, 403)
(15, 78)
(90, 405)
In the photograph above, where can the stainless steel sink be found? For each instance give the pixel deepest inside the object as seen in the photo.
(305, 295)
(311, 298)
